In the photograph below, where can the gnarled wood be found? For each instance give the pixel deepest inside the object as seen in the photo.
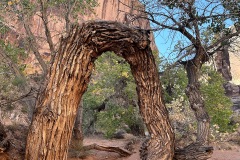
(193, 68)
(200, 149)
(51, 129)
(195, 151)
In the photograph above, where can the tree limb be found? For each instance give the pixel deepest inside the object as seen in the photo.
(122, 152)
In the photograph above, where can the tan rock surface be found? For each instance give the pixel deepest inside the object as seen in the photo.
(112, 10)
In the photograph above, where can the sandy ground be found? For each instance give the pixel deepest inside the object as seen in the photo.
(102, 155)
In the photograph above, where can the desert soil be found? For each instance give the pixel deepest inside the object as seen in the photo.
(233, 154)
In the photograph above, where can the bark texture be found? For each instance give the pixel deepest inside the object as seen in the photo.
(56, 108)
(199, 150)
(197, 103)
(195, 151)
(77, 129)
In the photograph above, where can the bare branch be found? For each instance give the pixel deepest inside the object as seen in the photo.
(224, 38)
(47, 30)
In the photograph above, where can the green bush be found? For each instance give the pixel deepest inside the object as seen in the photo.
(18, 81)
(217, 104)
(116, 118)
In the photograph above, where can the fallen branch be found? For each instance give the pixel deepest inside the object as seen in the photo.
(122, 152)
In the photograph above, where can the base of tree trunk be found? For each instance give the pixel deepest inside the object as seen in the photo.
(195, 151)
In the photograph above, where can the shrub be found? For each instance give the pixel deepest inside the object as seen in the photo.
(116, 118)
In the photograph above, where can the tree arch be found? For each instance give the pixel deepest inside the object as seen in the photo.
(51, 128)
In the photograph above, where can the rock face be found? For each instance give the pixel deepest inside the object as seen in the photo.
(228, 64)
(228, 61)
(124, 11)
(223, 64)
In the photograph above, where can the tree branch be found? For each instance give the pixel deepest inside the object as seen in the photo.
(227, 37)
(47, 31)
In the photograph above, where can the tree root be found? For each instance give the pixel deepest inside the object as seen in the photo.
(195, 151)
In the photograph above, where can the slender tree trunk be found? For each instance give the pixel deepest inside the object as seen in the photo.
(196, 101)
(197, 105)
(198, 150)
(56, 108)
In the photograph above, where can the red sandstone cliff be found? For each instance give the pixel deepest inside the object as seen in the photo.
(112, 10)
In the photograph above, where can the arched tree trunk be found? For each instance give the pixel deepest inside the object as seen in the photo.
(56, 108)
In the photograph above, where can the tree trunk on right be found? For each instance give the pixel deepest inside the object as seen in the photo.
(197, 103)
(200, 149)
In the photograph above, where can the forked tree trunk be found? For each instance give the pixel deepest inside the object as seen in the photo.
(56, 109)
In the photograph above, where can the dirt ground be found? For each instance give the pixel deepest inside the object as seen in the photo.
(233, 154)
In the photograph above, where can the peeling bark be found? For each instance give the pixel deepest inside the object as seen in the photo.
(56, 108)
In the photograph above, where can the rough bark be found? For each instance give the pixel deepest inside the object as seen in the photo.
(195, 151)
(56, 108)
(77, 130)
(199, 150)
(197, 103)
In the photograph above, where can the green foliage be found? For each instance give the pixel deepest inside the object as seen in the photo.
(9, 82)
(15, 54)
(116, 118)
(18, 81)
(74, 7)
(217, 104)
(19, 7)
(233, 8)
(3, 28)
(109, 68)
(174, 82)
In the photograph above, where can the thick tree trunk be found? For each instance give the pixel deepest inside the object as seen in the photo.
(56, 109)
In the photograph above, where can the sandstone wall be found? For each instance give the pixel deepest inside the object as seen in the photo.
(112, 10)
(228, 61)
(228, 64)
